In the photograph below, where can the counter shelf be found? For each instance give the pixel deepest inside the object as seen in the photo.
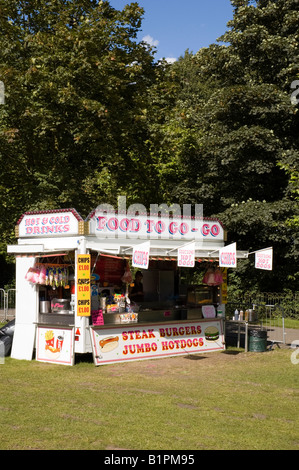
(59, 319)
(153, 323)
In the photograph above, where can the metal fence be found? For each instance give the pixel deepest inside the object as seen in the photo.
(7, 304)
(259, 314)
(288, 301)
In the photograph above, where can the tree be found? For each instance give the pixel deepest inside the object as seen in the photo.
(264, 40)
(71, 129)
(241, 160)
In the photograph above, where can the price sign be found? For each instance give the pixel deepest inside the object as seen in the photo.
(264, 259)
(186, 256)
(83, 286)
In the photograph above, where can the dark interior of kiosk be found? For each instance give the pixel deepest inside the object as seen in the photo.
(57, 291)
(169, 292)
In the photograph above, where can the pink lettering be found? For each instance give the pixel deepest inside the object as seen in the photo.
(101, 222)
(150, 225)
(184, 227)
(135, 225)
(112, 224)
(173, 228)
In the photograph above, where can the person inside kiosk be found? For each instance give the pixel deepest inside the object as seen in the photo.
(136, 291)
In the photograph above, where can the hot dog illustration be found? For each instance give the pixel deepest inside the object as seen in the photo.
(109, 343)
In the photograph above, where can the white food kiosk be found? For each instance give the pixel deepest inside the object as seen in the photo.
(73, 286)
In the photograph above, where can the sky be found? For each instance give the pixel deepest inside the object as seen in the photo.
(173, 26)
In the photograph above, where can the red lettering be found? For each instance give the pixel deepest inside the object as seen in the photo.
(140, 348)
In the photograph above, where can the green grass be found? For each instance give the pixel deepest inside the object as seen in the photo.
(224, 400)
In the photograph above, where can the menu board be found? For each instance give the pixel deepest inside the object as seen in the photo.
(83, 286)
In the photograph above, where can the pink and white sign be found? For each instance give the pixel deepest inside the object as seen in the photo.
(228, 256)
(186, 256)
(56, 223)
(148, 227)
(208, 311)
(264, 259)
(136, 342)
(140, 257)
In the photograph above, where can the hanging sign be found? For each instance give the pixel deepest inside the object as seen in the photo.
(140, 256)
(186, 256)
(83, 286)
(264, 259)
(228, 256)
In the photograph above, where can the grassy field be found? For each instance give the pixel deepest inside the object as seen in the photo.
(224, 400)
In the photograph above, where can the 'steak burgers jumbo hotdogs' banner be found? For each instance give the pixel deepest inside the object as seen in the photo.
(138, 341)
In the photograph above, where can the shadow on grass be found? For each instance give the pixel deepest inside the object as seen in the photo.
(194, 357)
(232, 352)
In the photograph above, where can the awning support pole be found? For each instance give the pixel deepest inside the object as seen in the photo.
(178, 247)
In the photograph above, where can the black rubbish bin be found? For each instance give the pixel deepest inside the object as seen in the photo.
(8, 329)
(5, 346)
(257, 340)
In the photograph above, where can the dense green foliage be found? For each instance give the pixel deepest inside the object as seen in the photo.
(89, 115)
